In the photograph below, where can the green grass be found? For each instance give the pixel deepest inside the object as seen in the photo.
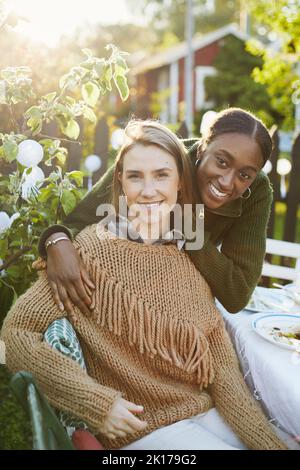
(15, 432)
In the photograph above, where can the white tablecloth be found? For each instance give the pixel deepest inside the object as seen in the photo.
(272, 373)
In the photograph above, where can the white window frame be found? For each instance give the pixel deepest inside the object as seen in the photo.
(203, 71)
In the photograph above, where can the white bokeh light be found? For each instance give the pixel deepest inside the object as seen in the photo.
(93, 163)
(117, 138)
(284, 166)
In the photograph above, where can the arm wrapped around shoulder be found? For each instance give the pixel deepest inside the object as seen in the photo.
(63, 381)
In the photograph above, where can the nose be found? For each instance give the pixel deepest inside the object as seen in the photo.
(226, 181)
(148, 191)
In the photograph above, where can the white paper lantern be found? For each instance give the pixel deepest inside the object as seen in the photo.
(30, 153)
(36, 175)
(267, 167)
(117, 139)
(32, 181)
(14, 217)
(206, 122)
(93, 163)
(4, 221)
(284, 166)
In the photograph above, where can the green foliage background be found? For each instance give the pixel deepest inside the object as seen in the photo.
(233, 85)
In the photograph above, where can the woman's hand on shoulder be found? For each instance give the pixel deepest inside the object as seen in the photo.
(122, 421)
(68, 278)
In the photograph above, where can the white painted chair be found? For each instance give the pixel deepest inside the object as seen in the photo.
(281, 248)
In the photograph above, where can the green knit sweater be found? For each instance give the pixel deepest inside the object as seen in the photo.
(231, 271)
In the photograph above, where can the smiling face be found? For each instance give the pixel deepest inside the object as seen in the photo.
(228, 167)
(150, 181)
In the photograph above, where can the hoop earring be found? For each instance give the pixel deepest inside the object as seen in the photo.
(248, 195)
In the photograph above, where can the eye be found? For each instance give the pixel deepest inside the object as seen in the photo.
(162, 175)
(133, 177)
(221, 162)
(244, 175)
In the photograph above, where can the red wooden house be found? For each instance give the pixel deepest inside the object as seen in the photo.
(163, 73)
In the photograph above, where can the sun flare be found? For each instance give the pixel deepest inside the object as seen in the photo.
(48, 20)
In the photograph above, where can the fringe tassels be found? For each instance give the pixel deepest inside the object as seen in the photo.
(179, 343)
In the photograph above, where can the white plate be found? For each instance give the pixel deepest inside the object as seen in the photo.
(267, 300)
(269, 327)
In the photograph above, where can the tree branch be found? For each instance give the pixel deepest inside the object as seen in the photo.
(61, 139)
(13, 258)
(13, 119)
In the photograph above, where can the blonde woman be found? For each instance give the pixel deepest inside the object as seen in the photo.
(161, 370)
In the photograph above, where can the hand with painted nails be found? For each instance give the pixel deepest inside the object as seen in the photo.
(68, 278)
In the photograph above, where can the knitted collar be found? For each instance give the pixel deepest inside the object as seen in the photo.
(123, 229)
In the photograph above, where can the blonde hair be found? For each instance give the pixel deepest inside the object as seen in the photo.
(147, 133)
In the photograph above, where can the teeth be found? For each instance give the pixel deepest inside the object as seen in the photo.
(153, 205)
(217, 192)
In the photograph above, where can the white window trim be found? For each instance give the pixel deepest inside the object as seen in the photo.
(202, 71)
(174, 92)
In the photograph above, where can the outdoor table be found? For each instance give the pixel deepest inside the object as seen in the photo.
(271, 372)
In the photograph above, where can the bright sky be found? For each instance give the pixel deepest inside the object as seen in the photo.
(49, 19)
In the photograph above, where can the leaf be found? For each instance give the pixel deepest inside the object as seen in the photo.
(99, 66)
(54, 203)
(90, 93)
(60, 158)
(77, 176)
(46, 143)
(3, 248)
(35, 125)
(71, 130)
(121, 67)
(34, 112)
(90, 115)
(2, 92)
(10, 150)
(63, 80)
(62, 109)
(122, 86)
(45, 194)
(69, 100)
(50, 97)
(68, 201)
(87, 52)
(15, 271)
(107, 76)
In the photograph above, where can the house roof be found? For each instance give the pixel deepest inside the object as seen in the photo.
(174, 53)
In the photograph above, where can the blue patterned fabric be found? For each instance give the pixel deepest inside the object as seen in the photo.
(61, 336)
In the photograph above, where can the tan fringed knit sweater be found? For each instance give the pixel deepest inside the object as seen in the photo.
(155, 338)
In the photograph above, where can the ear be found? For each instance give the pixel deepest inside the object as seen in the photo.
(200, 150)
(120, 176)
